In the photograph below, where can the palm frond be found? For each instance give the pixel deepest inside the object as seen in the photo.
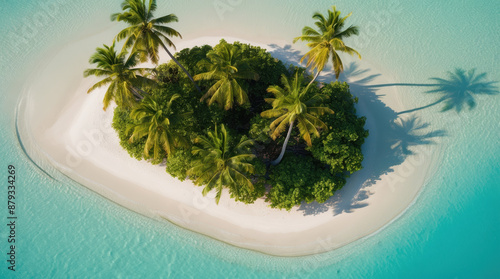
(327, 40)
(100, 84)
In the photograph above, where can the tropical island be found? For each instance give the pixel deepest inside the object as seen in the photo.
(230, 138)
(232, 116)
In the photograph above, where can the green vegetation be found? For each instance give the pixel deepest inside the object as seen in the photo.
(301, 178)
(156, 122)
(228, 143)
(327, 41)
(293, 103)
(146, 34)
(119, 74)
(226, 66)
(340, 146)
(220, 162)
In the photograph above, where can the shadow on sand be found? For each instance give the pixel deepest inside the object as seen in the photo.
(292, 56)
(392, 138)
(286, 54)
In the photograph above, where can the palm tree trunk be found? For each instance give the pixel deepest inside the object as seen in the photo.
(134, 91)
(283, 149)
(314, 79)
(182, 67)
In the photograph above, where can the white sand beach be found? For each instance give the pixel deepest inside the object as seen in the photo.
(72, 131)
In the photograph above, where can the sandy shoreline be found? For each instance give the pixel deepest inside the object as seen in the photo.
(74, 134)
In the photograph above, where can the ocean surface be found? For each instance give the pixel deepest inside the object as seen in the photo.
(452, 230)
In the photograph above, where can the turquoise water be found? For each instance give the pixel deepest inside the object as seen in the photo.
(452, 230)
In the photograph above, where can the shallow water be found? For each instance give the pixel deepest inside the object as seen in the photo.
(451, 231)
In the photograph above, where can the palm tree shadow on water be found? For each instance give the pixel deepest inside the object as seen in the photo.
(456, 92)
(392, 139)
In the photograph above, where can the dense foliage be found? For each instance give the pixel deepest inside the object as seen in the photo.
(234, 155)
(340, 146)
(301, 178)
(226, 66)
(294, 104)
(335, 155)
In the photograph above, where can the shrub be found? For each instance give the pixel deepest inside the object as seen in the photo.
(340, 146)
(121, 120)
(300, 178)
(179, 163)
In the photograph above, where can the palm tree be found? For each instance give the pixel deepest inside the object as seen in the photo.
(226, 67)
(221, 163)
(156, 121)
(327, 41)
(124, 80)
(147, 33)
(293, 103)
